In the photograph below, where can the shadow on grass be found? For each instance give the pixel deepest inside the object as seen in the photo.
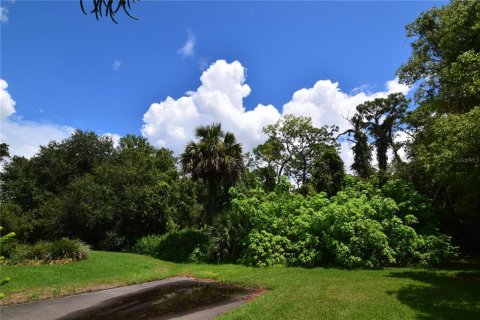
(442, 295)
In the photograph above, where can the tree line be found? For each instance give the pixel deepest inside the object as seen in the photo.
(84, 187)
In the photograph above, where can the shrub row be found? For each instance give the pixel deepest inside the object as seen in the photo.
(47, 251)
(178, 246)
(364, 226)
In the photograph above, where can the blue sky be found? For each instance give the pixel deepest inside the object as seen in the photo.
(65, 70)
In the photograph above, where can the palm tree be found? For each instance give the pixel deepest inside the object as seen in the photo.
(216, 159)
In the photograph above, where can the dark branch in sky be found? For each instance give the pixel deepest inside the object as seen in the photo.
(109, 8)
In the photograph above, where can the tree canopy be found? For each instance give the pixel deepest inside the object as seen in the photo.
(445, 58)
(292, 147)
(216, 159)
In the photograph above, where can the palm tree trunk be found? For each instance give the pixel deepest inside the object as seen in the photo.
(211, 199)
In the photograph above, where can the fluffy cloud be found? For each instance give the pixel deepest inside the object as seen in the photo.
(25, 137)
(395, 86)
(219, 98)
(188, 49)
(7, 104)
(326, 104)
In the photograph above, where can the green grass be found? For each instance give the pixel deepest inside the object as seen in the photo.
(294, 293)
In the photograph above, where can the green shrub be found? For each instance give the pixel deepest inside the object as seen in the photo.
(68, 249)
(227, 235)
(148, 245)
(4, 239)
(177, 245)
(437, 249)
(48, 251)
(198, 256)
(359, 227)
(8, 247)
(38, 251)
(265, 249)
(112, 241)
(352, 238)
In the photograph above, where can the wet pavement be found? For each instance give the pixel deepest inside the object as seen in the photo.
(174, 298)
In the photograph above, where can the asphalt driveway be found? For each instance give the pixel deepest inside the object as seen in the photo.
(174, 298)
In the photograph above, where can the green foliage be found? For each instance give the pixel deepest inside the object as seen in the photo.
(216, 159)
(106, 197)
(47, 251)
(362, 151)
(4, 151)
(227, 234)
(30, 186)
(448, 163)
(148, 245)
(57, 164)
(352, 235)
(4, 239)
(292, 147)
(358, 227)
(449, 293)
(410, 202)
(445, 66)
(69, 249)
(198, 255)
(445, 59)
(177, 246)
(328, 172)
(382, 118)
(265, 249)
(39, 251)
(13, 218)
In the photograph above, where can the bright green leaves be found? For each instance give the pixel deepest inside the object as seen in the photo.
(358, 228)
(444, 59)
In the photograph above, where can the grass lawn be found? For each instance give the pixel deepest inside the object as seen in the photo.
(294, 293)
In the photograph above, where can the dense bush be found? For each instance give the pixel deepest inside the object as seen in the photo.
(227, 233)
(359, 227)
(48, 251)
(177, 245)
(86, 189)
(4, 239)
(8, 247)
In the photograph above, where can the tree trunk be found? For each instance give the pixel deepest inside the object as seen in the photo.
(211, 199)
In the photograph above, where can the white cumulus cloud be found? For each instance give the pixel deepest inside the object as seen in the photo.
(220, 98)
(327, 104)
(395, 86)
(7, 104)
(25, 137)
(188, 49)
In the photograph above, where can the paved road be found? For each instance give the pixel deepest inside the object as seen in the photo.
(58, 308)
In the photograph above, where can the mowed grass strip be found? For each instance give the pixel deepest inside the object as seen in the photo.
(293, 293)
